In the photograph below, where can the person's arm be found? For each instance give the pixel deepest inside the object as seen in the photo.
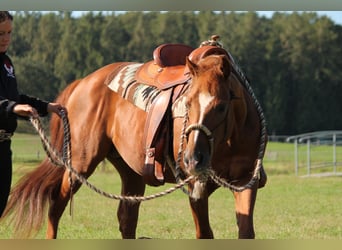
(31, 107)
(42, 108)
(40, 105)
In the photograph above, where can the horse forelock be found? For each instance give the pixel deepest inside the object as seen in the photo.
(209, 83)
(217, 64)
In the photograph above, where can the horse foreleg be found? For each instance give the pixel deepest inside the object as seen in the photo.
(244, 207)
(59, 201)
(132, 185)
(200, 214)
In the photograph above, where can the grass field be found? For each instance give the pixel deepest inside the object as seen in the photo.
(289, 207)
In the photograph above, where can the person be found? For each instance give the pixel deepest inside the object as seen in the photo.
(12, 106)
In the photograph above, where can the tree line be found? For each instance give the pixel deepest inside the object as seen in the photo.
(293, 60)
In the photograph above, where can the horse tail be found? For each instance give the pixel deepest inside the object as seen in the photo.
(29, 197)
(27, 203)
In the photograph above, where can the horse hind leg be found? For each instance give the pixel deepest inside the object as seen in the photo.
(132, 185)
(58, 203)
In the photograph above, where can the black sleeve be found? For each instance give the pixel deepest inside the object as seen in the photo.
(39, 105)
(8, 80)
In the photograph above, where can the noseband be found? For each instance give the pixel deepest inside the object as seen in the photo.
(206, 131)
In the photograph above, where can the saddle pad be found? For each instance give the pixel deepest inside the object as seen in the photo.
(179, 108)
(125, 84)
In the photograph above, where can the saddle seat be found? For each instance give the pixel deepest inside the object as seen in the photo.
(167, 69)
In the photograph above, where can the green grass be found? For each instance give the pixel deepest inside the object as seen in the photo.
(27, 148)
(289, 207)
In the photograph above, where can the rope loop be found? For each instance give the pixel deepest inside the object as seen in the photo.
(64, 160)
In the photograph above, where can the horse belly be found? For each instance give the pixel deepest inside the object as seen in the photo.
(128, 135)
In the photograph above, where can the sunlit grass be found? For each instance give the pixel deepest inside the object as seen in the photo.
(289, 207)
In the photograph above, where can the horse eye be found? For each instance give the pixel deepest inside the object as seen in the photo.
(221, 108)
(232, 94)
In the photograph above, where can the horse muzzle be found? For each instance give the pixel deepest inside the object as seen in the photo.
(197, 162)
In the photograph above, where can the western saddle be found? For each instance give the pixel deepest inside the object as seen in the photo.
(167, 72)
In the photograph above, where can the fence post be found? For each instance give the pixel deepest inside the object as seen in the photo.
(334, 153)
(330, 137)
(308, 156)
(296, 155)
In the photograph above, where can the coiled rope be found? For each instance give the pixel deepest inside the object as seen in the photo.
(256, 174)
(262, 145)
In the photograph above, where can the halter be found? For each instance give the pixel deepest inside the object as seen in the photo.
(206, 131)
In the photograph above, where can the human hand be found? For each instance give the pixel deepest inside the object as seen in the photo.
(25, 110)
(54, 107)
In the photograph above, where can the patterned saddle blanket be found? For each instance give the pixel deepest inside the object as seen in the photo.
(125, 84)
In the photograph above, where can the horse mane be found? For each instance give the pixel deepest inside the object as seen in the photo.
(26, 206)
(221, 64)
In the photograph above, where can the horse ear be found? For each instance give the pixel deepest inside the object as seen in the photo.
(193, 68)
(226, 67)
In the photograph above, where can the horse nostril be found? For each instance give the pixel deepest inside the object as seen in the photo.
(186, 160)
(198, 157)
(193, 160)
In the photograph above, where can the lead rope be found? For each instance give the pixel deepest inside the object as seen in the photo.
(65, 161)
(67, 156)
(178, 172)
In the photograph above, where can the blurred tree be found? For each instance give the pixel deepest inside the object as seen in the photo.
(65, 63)
(293, 60)
(113, 40)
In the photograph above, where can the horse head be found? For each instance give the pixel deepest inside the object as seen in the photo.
(210, 112)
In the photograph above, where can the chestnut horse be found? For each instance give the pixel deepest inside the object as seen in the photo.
(223, 136)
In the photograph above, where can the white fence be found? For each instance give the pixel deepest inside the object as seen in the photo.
(331, 140)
